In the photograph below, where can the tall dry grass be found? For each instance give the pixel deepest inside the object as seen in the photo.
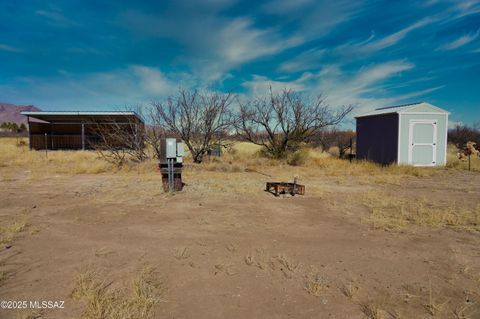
(102, 300)
(396, 213)
(242, 157)
(455, 163)
(14, 154)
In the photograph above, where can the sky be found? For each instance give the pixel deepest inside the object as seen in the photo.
(105, 55)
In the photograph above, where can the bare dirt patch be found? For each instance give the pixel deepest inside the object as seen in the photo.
(223, 248)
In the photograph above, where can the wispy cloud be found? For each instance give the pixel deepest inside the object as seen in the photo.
(281, 7)
(259, 85)
(9, 48)
(460, 41)
(214, 44)
(101, 90)
(153, 81)
(54, 16)
(365, 88)
(371, 45)
(309, 59)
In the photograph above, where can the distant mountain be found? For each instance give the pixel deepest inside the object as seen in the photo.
(11, 112)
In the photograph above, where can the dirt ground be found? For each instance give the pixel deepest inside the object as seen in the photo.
(230, 253)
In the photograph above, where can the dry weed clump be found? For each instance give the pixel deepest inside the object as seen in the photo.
(315, 284)
(372, 310)
(29, 314)
(298, 158)
(102, 301)
(395, 213)
(10, 230)
(3, 276)
(350, 289)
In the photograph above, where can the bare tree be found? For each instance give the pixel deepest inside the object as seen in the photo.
(200, 119)
(280, 122)
(118, 141)
(333, 136)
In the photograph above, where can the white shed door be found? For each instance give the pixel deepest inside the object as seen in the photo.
(423, 143)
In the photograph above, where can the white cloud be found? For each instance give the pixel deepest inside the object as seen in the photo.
(153, 81)
(54, 16)
(259, 85)
(102, 90)
(364, 88)
(212, 44)
(309, 59)
(281, 7)
(9, 48)
(371, 45)
(460, 41)
(319, 20)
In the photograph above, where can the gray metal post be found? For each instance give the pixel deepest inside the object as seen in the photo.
(51, 134)
(83, 136)
(170, 174)
(29, 137)
(46, 146)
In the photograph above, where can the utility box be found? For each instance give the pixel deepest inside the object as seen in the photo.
(171, 148)
(180, 152)
(171, 163)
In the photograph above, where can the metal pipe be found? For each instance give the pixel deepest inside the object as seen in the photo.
(83, 136)
(28, 129)
(46, 146)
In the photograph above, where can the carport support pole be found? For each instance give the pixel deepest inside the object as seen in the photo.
(46, 146)
(83, 136)
(29, 137)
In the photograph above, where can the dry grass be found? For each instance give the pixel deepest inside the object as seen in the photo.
(241, 157)
(181, 253)
(3, 276)
(102, 301)
(288, 263)
(77, 162)
(350, 289)
(30, 315)
(433, 307)
(372, 310)
(395, 213)
(454, 162)
(315, 284)
(9, 230)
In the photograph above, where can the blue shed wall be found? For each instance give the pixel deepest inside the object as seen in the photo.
(377, 138)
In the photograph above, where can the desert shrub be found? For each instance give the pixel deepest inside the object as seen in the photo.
(334, 151)
(334, 137)
(462, 134)
(298, 158)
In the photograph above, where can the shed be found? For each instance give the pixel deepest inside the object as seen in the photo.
(76, 130)
(411, 134)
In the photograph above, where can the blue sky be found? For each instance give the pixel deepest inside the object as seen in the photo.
(97, 55)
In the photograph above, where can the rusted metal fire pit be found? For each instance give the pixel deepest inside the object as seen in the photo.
(277, 188)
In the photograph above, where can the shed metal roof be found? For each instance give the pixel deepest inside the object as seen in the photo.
(400, 109)
(76, 115)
